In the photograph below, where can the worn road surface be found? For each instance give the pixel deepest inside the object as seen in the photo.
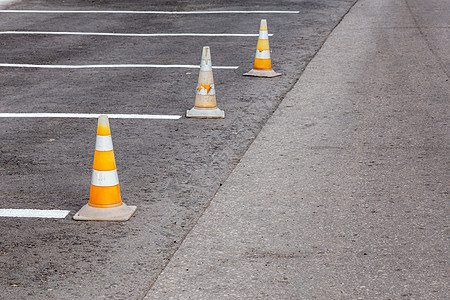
(169, 169)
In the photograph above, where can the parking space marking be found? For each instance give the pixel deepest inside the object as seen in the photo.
(150, 12)
(87, 116)
(33, 213)
(110, 66)
(133, 34)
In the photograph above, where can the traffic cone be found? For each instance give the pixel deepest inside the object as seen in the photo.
(105, 203)
(205, 100)
(263, 66)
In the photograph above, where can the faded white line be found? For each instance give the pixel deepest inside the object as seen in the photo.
(110, 66)
(151, 12)
(85, 116)
(133, 34)
(33, 213)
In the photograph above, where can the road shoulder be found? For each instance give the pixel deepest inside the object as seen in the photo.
(342, 193)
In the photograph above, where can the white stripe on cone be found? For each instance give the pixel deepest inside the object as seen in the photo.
(263, 35)
(103, 143)
(105, 178)
(205, 66)
(265, 54)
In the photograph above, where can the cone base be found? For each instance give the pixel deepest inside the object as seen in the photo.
(118, 214)
(259, 73)
(205, 113)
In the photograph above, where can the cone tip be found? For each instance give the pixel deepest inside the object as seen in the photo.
(263, 25)
(206, 54)
(103, 125)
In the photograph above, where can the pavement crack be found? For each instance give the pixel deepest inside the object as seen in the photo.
(438, 58)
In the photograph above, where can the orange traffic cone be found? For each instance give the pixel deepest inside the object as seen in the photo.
(205, 100)
(105, 203)
(263, 66)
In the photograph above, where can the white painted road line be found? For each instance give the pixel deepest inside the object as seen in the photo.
(151, 12)
(87, 116)
(133, 34)
(110, 66)
(33, 213)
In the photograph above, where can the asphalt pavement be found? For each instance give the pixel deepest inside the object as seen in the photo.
(6, 3)
(169, 169)
(329, 182)
(344, 193)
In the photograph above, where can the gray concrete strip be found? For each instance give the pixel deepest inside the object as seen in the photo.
(343, 193)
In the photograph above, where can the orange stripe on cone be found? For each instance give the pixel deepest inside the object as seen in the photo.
(104, 161)
(262, 66)
(105, 196)
(105, 203)
(103, 127)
